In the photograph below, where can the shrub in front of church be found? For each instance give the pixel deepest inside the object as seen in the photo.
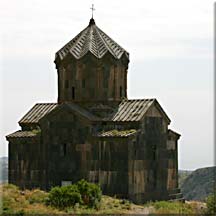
(82, 192)
(63, 197)
(91, 193)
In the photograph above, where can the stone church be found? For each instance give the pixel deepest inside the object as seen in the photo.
(94, 131)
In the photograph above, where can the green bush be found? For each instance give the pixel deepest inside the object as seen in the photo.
(83, 193)
(91, 193)
(211, 204)
(63, 197)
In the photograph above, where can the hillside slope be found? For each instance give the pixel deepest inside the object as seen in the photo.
(199, 184)
(182, 175)
(3, 169)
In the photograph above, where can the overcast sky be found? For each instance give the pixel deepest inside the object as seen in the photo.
(171, 58)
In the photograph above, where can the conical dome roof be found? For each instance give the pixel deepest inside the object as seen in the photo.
(91, 39)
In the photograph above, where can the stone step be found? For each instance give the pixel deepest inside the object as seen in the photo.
(178, 200)
(175, 196)
(174, 191)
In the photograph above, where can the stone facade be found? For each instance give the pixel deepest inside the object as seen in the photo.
(26, 164)
(94, 132)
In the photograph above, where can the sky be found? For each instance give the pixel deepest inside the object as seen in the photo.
(171, 58)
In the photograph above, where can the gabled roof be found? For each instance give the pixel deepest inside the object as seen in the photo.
(126, 111)
(40, 110)
(91, 39)
(81, 111)
(134, 110)
(37, 112)
(73, 108)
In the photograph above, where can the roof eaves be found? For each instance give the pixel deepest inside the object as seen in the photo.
(175, 133)
(70, 44)
(114, 42)
(33, 116)
(21, 134)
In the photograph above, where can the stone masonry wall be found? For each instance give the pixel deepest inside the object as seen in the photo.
(26, 166)
(91, 79)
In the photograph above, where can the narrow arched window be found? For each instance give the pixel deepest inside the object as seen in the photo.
(155, 178)
(120, 92)
(106, 73)
(73, 93)
(154, 152)
(64, 149)
(83, 83)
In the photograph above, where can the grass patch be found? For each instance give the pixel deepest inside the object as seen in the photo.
(108, 205)
(36, 131)
(16, 201)
(167, 207)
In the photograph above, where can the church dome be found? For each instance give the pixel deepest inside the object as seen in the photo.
(91, 39)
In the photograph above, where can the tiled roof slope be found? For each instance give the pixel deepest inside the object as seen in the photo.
(132, 110)
(91, 39)
(21, 134)
(127, 110)
(38, 111)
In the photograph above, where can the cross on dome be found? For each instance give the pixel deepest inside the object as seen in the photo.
(92, 8)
